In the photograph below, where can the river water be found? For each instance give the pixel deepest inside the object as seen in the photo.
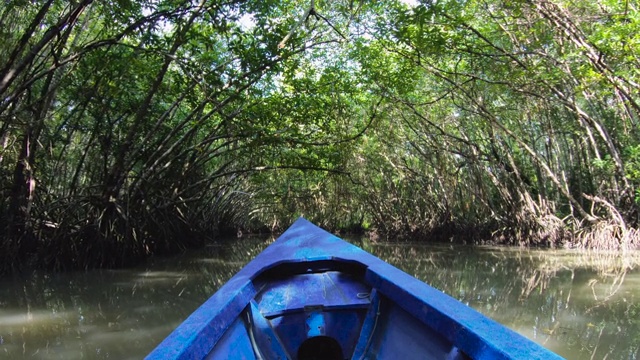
(580, 305)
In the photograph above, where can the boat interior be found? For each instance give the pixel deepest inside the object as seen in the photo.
(326, 310)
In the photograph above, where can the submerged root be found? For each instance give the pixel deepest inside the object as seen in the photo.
(528, 229)
(608, 235)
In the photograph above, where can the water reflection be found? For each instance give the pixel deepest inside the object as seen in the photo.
(118, 314)
(579, 305)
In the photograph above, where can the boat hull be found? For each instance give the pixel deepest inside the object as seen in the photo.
(311, 295)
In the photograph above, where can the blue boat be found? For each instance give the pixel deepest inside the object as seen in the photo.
(311, 295)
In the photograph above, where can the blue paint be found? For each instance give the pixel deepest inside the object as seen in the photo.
(234, 344)
(369, 325)
(265, 337)
(310, 284)
(332, 290)
(399, 335)
(315, 324)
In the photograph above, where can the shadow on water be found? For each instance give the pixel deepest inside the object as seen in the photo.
(112, 314)
(581, 305)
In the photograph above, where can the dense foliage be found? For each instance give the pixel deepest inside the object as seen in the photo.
(132, 127)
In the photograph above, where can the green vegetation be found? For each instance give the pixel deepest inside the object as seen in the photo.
(133, 127)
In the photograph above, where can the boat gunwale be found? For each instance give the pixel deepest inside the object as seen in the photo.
(304, 243)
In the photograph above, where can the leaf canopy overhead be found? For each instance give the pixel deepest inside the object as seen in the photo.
(135, 122)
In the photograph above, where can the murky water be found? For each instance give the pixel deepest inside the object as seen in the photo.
(582, 306)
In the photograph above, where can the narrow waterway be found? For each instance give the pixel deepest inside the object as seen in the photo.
(580, 305)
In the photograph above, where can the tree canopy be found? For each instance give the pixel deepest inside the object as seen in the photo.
(133, 127)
